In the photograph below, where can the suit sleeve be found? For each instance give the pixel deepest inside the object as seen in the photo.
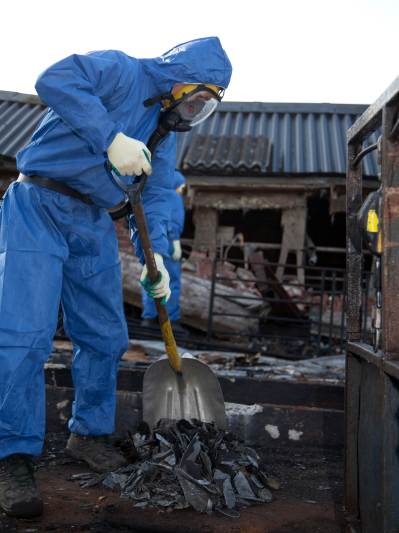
(177, 216)
(80, 88)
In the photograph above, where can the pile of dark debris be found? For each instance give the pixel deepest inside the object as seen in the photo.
(188, 464)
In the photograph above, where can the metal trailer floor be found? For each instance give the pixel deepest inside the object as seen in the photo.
(309, 501)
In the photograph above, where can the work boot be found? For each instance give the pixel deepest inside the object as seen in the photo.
(98, 452)
(19, 495)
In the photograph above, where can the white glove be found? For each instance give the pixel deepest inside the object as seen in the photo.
(159, 289)
(129, 156)
(177, 253)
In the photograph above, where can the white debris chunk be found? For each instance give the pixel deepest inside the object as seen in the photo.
(293, 434)
(241, 409)
(273, 431)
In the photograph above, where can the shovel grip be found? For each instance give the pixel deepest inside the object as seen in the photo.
(164, 322)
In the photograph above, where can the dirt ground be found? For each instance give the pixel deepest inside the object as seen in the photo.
(309, 501)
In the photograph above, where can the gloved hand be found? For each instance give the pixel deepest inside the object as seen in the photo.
(130, 157)
(176, 253)
(159, 289)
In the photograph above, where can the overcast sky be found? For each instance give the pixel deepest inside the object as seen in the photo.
(338, 51)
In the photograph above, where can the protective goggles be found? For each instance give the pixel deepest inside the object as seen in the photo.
(193, 102)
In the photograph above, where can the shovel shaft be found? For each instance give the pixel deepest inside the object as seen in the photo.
(164, 322)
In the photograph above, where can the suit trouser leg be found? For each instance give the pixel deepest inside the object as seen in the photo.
(30, 288)
(94, 318)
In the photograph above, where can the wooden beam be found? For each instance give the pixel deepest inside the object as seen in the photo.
(206, 219)
(249, 200)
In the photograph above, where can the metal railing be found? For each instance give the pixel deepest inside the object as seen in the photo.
(259, 311)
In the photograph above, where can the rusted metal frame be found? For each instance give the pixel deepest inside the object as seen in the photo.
(391, 368)
(354, 245)
(371, 118)
(353, 309)
(390, 233)
(372, 403)
(364, 152)
(366, 352)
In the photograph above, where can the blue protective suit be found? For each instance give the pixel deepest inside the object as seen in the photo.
(175, 229)
(55, 247)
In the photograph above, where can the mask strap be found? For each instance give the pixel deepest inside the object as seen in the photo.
(169, 96)
(156, 99)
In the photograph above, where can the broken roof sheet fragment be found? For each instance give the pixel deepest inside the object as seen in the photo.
(191, 464)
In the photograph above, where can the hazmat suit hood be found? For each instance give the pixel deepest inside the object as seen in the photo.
(199, 61)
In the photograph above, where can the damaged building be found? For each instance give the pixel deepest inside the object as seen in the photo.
(266, 201)
(273, 173)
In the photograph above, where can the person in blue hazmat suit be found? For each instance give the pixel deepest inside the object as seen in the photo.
(58, 243)
(172, 262)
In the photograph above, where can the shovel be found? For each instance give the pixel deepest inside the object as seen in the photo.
(177, 387)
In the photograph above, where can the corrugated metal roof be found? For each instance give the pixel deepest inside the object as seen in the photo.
(19, 116)
(273, 139)
(240, 138)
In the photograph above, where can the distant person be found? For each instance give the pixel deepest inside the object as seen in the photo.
(172, 262)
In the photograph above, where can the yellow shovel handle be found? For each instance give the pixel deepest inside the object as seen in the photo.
(164, 322)
(168, 337)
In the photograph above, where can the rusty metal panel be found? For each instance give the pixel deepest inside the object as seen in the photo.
(390, 272)
(370, 450)
(372, 404)
(390, 458)
(390, 232)
(377, 451)
(352, 395)
(371, 118)
(354, 245)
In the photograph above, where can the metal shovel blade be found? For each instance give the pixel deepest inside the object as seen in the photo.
(195, 393)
